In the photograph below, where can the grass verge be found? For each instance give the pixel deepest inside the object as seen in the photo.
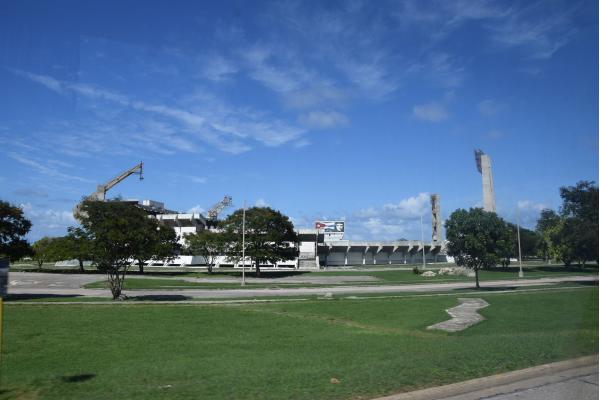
(372, 347)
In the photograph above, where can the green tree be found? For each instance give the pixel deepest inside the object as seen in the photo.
(563, 241)
(507, 246)
(580, 228)
(111, 229)
(270, 236)
(13, 226)
(157, 242)
(547, 223)
(46, 249)
(473, 238)
(77, 245)
(209, 245)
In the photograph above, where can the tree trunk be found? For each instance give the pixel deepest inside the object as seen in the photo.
(141, 265)
(81, 266)
(477, 278)
(257, 268)
(210, 267)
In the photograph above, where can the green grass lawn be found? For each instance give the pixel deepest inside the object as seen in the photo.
(283, 350)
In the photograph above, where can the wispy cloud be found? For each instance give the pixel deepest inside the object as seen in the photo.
(540, 31)
(227, 128)
(217, 68)
(535, 26)
(324, 119)
(489, 107)
(431, 112)
(44, 168)
(288, 76)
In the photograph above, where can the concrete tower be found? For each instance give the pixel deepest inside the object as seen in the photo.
(484, 166)
(436, 219)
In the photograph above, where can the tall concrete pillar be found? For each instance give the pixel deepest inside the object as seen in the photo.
(436, 219)
(484, 166)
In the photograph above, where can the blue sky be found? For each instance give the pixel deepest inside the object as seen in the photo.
(356, 110)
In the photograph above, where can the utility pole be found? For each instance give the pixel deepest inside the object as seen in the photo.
(519, 243)
(423, 241)
(244, 245)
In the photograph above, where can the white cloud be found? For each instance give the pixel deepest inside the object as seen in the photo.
(45, 169)
(495, 134)
(323, 119)
(197, 209)
(317, 95)
(411, 207)
(446, 70)
(218, 124)
(46, 221)
(285, 76)
(391, 221)
(541, 37)
(261, 203)
(218, 69)
(531, 205)
(489, 107)
(431, 112)
(529, 212)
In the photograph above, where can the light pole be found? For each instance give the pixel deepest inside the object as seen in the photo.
(244, 245)
(519, 243)
(423, 241)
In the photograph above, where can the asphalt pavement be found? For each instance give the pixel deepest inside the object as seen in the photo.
(575, 379)
(44, 284)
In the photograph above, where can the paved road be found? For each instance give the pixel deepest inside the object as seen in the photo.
(575, 379)
(576, 384)
(32, 280)
(39, 284)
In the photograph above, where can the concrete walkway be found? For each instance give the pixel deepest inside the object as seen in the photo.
(565, 380)
(40, 290)
(463, 316)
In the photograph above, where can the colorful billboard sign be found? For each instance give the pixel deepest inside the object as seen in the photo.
(330, 226)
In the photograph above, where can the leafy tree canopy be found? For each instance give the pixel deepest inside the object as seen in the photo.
(209, 245)
(158, 242)
(13, 226)
(111, 227)
(477, 238)
(270, 235)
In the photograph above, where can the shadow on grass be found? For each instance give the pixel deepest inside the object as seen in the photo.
(487, 289)
(77, 378)
(160, 297)
(26, 296)
(582, 283)
(548, 269)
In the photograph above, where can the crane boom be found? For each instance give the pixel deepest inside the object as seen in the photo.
(213, 213)
(100, 193)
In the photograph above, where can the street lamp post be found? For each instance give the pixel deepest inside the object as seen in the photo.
(519, 243)
(423, 241)
(244, 245)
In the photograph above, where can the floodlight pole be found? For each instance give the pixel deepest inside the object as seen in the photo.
(244, 245)
(423, 241)
(519, 243)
